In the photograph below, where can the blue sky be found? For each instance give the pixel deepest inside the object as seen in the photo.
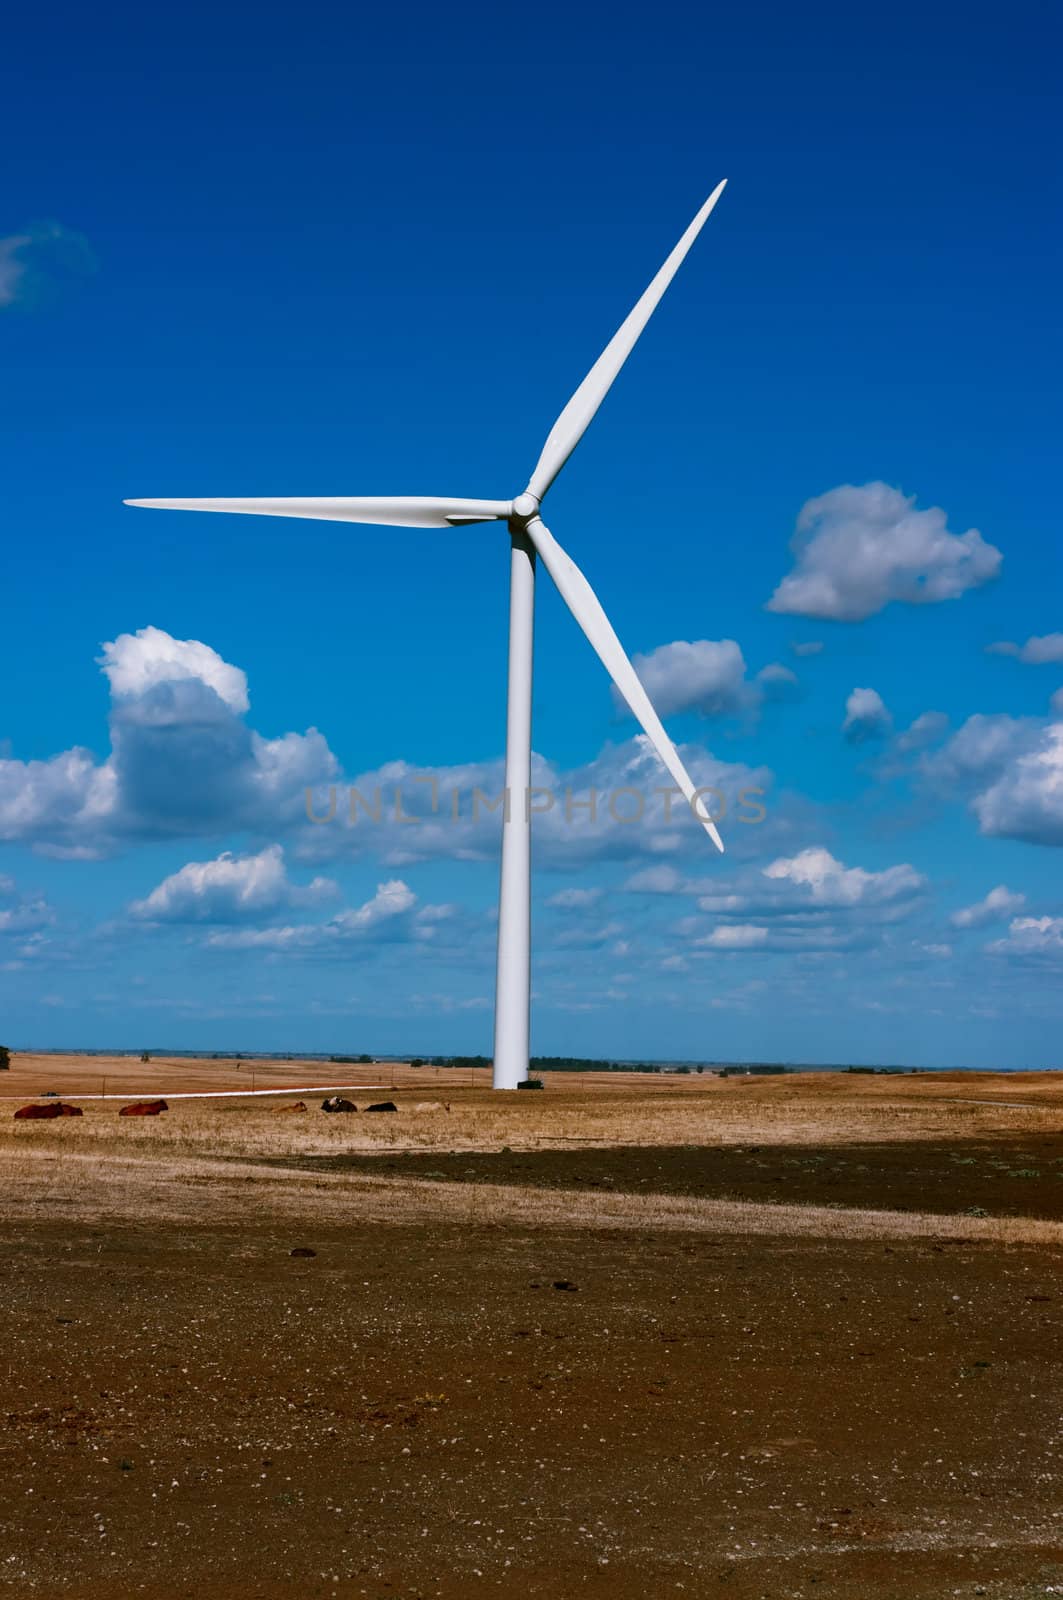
(271, 252)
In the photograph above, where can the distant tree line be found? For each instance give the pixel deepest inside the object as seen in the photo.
(552, 1064)
(5, 1058)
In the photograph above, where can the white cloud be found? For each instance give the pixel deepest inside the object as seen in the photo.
(1010, 771)
(703, 675)
(735, 936)
(999, 902)
(708, 676)
(1048, 647)
(387, 909)
(928, 728)
(857, 549)
(1032, 938)
(776, 682)
(229, 889)
(655, 880)
(823, 881)
(980, 749)
(866, 717)
(1026, 800)
(810, 889)
(1056, 703)
(807, 647)
(184, 764)
(137, 662)
(22, 913)
(574, 899)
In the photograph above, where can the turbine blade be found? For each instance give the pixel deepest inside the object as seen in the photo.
(410, 511)
(573, 422)
(587, 610)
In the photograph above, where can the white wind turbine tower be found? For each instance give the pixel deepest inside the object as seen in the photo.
(529, 538)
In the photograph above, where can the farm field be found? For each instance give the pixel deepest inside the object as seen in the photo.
(774, 1337)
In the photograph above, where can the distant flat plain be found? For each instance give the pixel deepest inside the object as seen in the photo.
(808, 1343)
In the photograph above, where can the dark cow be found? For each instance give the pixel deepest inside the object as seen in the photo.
(144, 1108)
(336, 1102)
(383, 1105)
(56, 1108)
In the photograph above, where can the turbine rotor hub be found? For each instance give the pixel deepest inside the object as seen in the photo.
(525, 507)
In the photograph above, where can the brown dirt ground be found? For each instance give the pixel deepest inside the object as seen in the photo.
(190, 1411)
(1000, 1177)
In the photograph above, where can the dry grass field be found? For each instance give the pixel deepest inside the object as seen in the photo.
(750, 1337)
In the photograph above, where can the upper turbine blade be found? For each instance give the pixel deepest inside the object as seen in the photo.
(410, 511)
(587, 610)
(571, 425)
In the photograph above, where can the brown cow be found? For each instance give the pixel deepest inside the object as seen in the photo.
(54, 1108)
(144, 1108)
(300, 1105)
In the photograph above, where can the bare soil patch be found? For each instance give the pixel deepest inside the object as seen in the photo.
(609, 1346)
(1001, 1177)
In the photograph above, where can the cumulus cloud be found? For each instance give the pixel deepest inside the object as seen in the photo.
(979, 750)
(709, 677)
(928, 728)
(230, 889)
(183, 761)
(185, 764)
(1037, 651)
(1010, 772)
(808, 904)
(776, 682)
(999, 902)
(135, 663)
(619, 806)
(387, 913)
(866, 717)
(821, 881)
(856, 549)
(807, 647)
(810, 886)
(703, 675)
(1026, 800)
(1035, 939)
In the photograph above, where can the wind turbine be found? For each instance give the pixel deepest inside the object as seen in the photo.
(529, 537)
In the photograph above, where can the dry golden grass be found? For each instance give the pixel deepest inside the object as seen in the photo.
(218, 1157)
(574, 1109)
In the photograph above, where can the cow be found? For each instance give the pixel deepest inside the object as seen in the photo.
(32, 1113)
(336, 1102)
(69, 1111)
(299, 1105)
(144, 1108)
(383, 1105)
